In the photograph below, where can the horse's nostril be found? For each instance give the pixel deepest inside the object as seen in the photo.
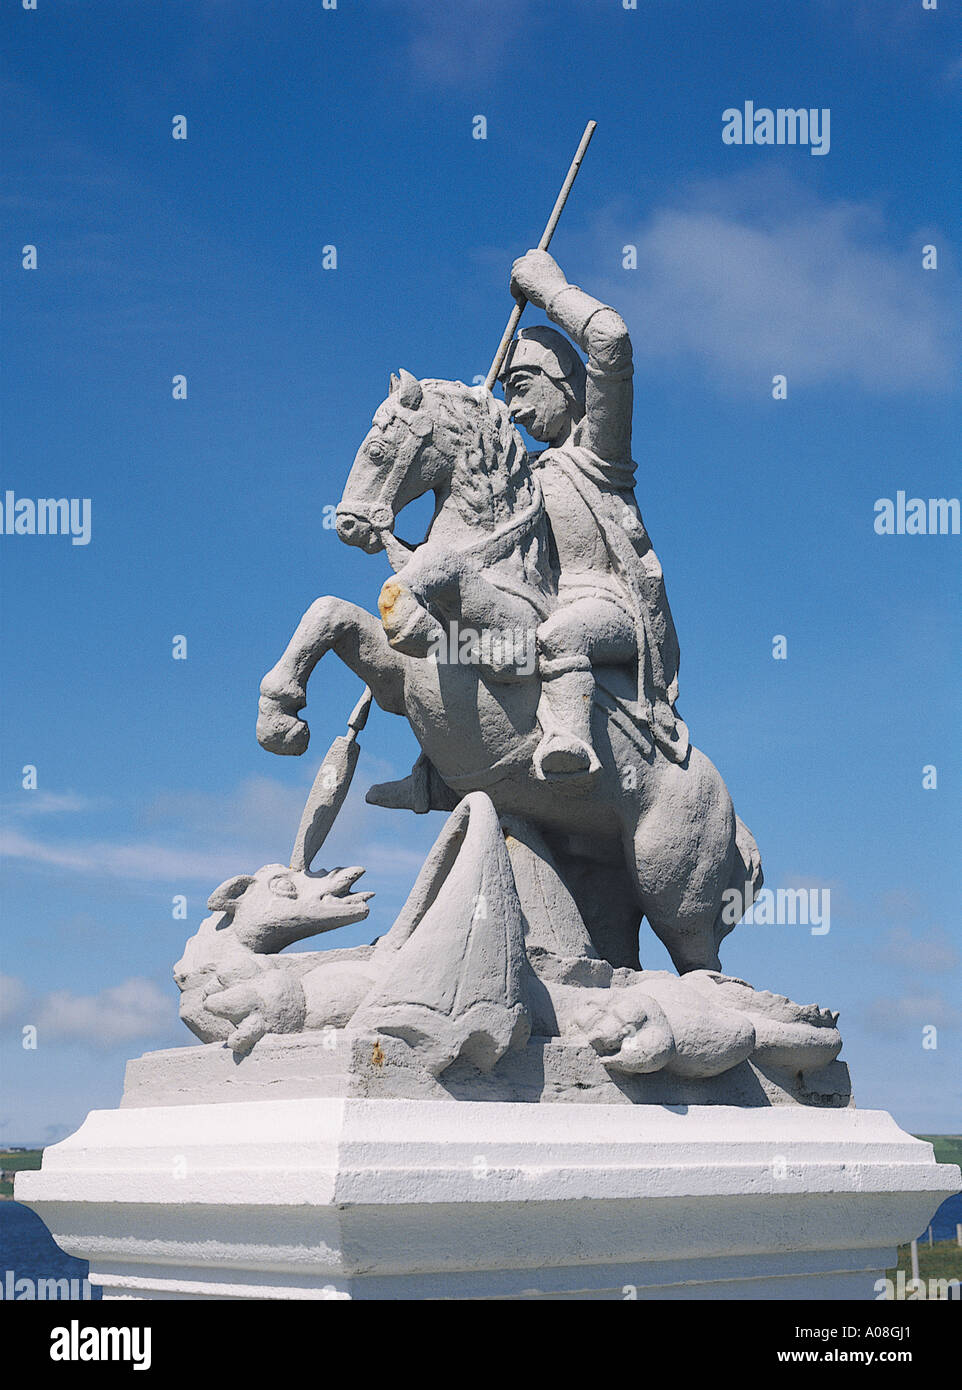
(352, 529)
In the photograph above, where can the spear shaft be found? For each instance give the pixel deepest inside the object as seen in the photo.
(543, 245)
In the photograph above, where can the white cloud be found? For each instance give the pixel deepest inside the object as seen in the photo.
(146, 862)
(756, 276)
(204, 838)
(41, 803)
(135, 1009)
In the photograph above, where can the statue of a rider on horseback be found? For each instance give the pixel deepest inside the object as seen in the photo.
(589, 746)
(528, 642)
(612, 609)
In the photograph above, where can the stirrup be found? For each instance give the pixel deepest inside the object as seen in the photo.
(563, 755)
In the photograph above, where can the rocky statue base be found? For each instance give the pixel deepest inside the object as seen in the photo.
(337, 1064)
(424, 1199)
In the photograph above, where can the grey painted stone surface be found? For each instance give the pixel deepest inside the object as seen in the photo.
(489, 948)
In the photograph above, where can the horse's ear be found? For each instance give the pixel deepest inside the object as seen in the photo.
(410, 394)
(395, 385)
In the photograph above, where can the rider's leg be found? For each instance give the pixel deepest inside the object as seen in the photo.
(588, 631)
(565, 716)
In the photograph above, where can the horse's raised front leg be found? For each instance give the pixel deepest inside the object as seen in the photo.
(330, 624)
(454, 584)
(457, 591)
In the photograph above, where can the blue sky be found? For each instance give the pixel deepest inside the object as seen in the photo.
(353, 127)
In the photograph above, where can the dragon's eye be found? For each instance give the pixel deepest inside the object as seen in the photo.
(283, 887)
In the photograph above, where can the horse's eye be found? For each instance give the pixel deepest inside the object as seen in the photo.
(376, 451)
(283, 887)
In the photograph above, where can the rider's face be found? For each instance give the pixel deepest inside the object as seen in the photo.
(537, 404)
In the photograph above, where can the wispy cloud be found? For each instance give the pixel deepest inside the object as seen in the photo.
(41, 803)
(755, 276)
(471, 41)
(922, 1009)
(203, 838)
(135, 1009)
(146, 862)
(932, 951)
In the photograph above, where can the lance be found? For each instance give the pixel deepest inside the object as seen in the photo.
(543, 245)
(330, 787)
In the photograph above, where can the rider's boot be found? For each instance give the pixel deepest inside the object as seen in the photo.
(565, 714)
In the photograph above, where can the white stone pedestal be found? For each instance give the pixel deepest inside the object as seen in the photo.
(412, 1199)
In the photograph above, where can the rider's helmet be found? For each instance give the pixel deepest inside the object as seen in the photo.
(549, 351)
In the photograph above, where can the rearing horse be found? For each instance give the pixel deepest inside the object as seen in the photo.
(485, 565)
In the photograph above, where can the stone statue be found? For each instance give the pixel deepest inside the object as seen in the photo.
(529, 643)
(486, 565)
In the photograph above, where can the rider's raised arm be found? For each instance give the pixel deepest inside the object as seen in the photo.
(601, 333)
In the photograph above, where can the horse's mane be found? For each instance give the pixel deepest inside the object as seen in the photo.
(491, 479)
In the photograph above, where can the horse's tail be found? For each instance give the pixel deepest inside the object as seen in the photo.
(746, 879)
(748, 852)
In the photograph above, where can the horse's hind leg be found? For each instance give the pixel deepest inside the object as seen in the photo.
(683, 851)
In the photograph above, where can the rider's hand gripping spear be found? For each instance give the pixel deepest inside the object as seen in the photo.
(336, 771)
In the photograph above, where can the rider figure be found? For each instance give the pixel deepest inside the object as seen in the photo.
(613, 610)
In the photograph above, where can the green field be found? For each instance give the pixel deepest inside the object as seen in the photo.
(948, 1147)
(943, 1260)
(15, 1163)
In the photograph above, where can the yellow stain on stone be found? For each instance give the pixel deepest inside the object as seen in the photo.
(390, 592)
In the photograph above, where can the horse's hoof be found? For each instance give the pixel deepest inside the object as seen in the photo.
(281, 733)
(288, 694)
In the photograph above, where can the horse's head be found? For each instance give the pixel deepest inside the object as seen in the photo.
(435, 436)
(397, 462)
